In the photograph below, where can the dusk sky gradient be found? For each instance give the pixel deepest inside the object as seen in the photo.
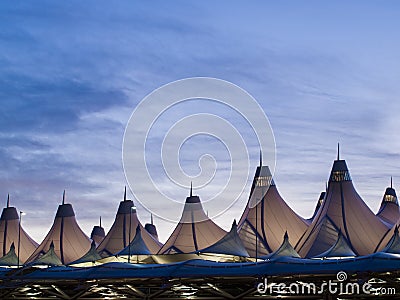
(72, 72)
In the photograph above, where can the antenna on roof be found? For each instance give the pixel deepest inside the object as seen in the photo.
(338, 151)
(125, 194)
(260, 158)
(100, 221)
(191, 189)
(8, 200)
(63, 201)
(391, 182)
(151, 219)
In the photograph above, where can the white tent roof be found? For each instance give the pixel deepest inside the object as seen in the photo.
(195, 231)
(389, 210)
(49, 258)
(286, 249)
(137, 246)
(230, 244)
(90, 257)
(274, 217)
(9, 226)
(342, 208)
(10, 259)
(118, 236)
(340, 249)
(70, 242)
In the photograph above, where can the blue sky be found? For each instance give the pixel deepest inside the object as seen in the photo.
(71, 73)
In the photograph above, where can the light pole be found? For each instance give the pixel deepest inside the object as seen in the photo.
(21, 213)
(133, 209)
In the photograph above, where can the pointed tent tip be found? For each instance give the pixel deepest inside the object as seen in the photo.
(338, 151)
(63, 199)
(8, 200)
(100, 221)
(151, 219)
(125, 194)
(191, 189)
(286, 236)
(391, 182)
(261, 162)
(234, 224)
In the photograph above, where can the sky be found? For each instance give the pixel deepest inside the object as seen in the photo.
(71, 73)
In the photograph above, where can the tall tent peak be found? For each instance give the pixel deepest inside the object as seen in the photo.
(191, 189)
(391, 182)
(151, 219)
(339, 172)
(260, 158)
(100, 222)
(8, 200)
(63, 198)
(125, 194)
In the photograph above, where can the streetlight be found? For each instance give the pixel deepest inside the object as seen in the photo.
(133, 209)
(21, 213)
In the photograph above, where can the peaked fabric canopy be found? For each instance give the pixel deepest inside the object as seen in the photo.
(274, 217)
(194, 231)
(230, 244)
(285, 250)
(97, 234)
(151, 228)
(68, 239)
(9, 229)
(342, 208)
(137, 246)
(389, 210)
(125, 222)
(340, 249)
(90, 256)
(10, 259)
(50, 258)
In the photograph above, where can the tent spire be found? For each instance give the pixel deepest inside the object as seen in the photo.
(8, 200)
(260, 158)
(191, 189)
(100, 221)
(338, 151)
(63, 201)
(151, 219)
(391, 182)
(125, 194)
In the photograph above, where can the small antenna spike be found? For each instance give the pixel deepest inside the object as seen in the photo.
(125, 194)
(261, 158)
(338, 151)
(191, 189)
(100, 221)
(8, 200)
(151, 219)
(391, 182)
(63, 201)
